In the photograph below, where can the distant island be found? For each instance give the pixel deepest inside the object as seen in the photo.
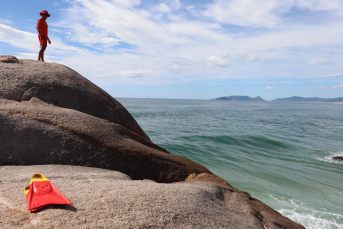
(307, 99)
(288, 99)
(240, 98)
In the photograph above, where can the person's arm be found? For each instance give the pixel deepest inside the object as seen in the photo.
(49, 41)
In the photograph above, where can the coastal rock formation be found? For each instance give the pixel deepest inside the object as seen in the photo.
(338, 158)
(61, 86)
(109, 199)
(49, 114)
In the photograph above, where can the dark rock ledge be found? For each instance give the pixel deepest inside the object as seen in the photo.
(338, 158)
(52, 118)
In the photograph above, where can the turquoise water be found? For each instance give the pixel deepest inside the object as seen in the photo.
(278, 152)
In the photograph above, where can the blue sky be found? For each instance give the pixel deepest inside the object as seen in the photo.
(193, 49)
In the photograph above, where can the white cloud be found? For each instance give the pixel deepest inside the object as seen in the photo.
(135, 73)
(338, 86)
(323, 87)
(175, 67)
(123, 3)
(18, 38)
(85, 37)
(167, 7)
(116, 19)
(338, 66)
(264, 13)
(319, 61)
(29, 42)
(5, 21)
(195, 36)
(162, 8)
(320, 5)
(269, 88)
(173, 4)
(176, 17)
(130, 41)
(250, 57)
(247, 12)
(323, 76)
(215, 61)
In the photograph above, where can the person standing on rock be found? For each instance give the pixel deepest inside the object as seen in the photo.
(42, 28)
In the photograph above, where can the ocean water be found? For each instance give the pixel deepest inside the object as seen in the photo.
(278, 152)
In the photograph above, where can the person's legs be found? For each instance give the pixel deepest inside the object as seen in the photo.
(41, 52)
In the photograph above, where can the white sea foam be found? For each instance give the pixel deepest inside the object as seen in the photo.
(309, 218)
(327, 126)
(319, 124)
(328, 157)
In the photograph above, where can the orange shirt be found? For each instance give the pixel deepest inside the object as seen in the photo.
(42, 27)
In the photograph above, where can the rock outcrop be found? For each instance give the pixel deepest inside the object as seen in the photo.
(109, 199)
(338, 158)
(20, 80)
(49, 114)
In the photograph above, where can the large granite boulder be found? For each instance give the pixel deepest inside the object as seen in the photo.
(49, 114)
(109, 199)
(56, 84)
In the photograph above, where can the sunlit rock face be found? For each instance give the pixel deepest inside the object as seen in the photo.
(50, 114)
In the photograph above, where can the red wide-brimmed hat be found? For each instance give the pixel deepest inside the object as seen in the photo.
(44, 12)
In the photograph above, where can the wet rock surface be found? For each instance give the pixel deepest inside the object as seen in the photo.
(337, 158)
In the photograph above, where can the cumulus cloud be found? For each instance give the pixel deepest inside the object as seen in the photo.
(319, 61)
(338, 86)
(269, 88)
(215, 61)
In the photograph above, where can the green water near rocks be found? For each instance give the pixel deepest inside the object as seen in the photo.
(281, 153)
